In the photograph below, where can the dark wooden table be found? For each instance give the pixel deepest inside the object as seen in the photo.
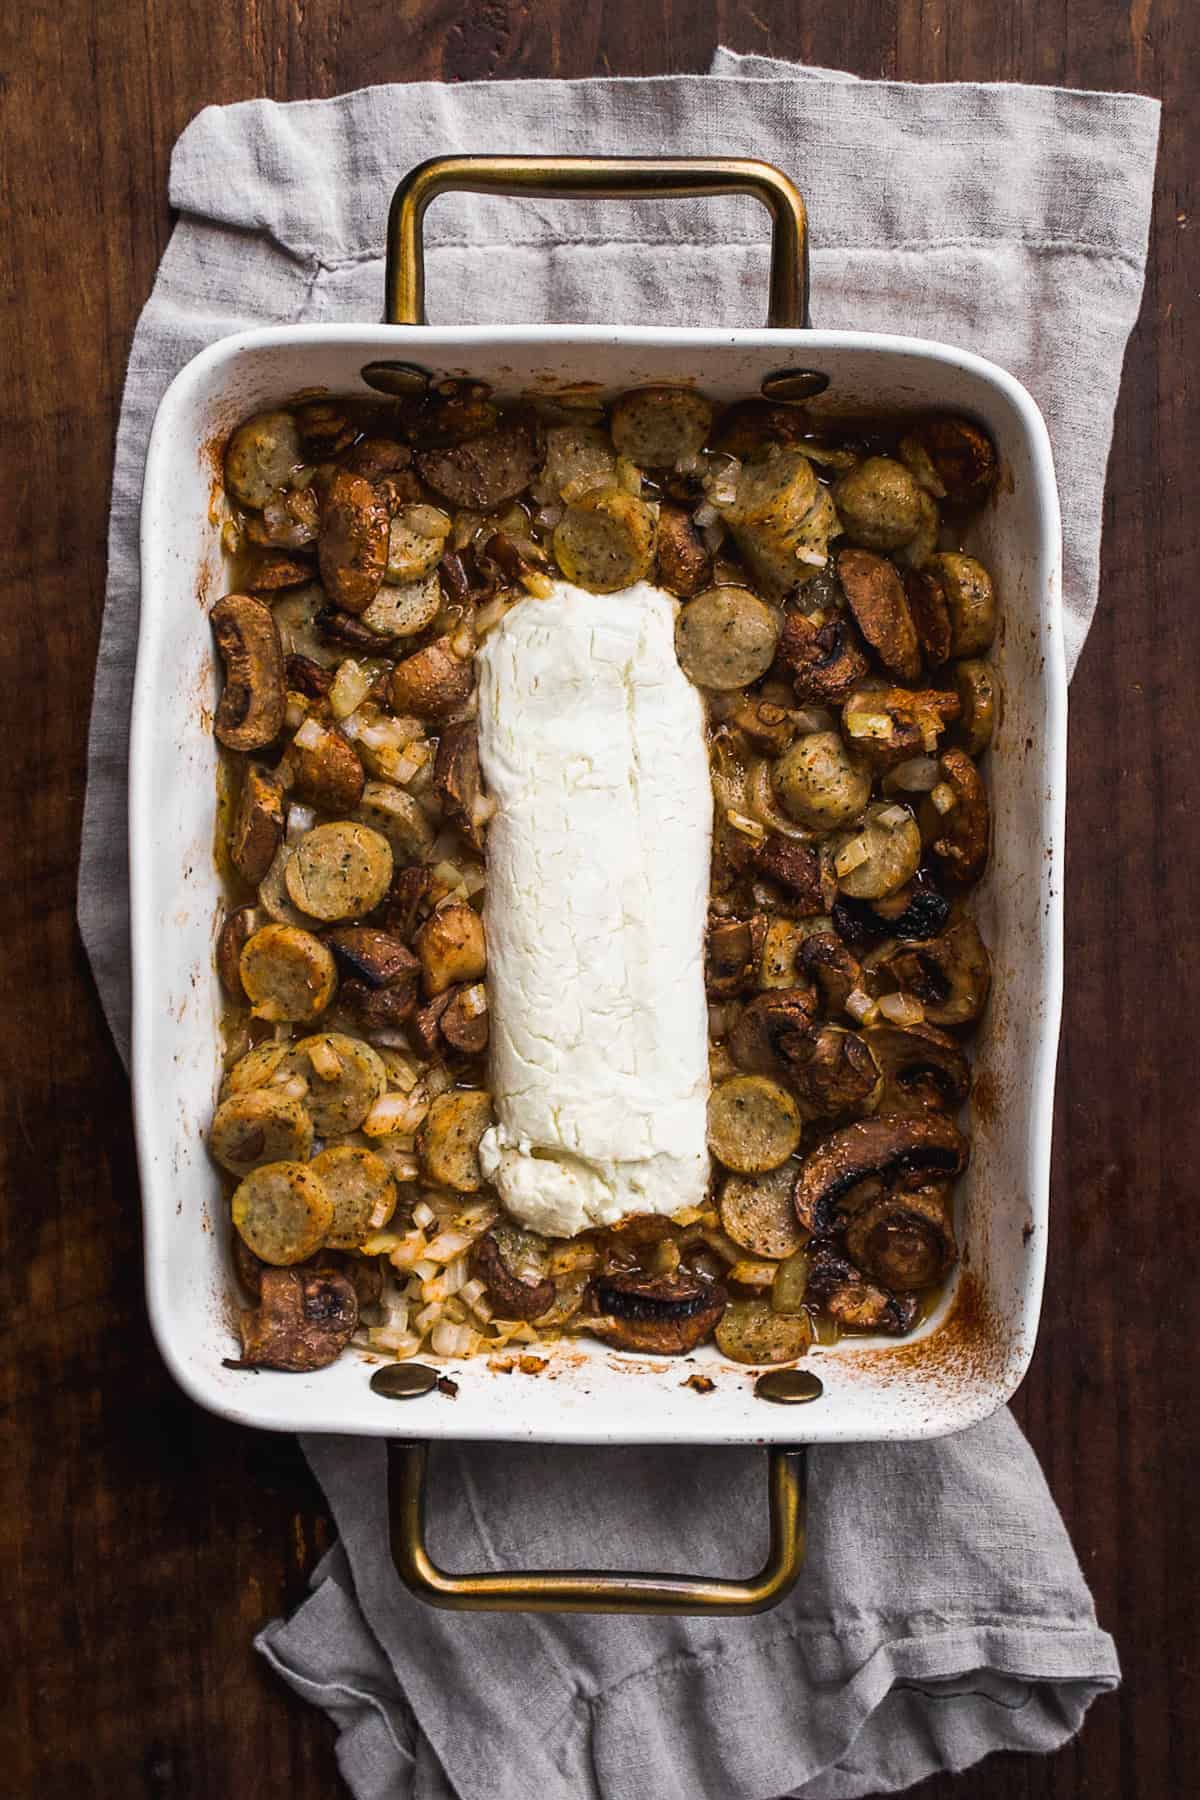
(142, 1542)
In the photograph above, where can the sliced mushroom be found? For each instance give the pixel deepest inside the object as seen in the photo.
(661, 1315)
(878, 503)
(803, 870)
(825, 661)
(511, 1297)
(304, 1320)
(261, 457)
(257, 829)
(464, 1022)
(656, 427)
(917, 910)
(888, 725)
(343, 629)
(353, 545)
(451, 947)
(835, 1074)
(970, 599)
(404, 610)
(960, 838)
(836, 971)
(374, 956)
(401, 820)
(771, 1034)
(267, 572)
(488, 469)
(456, 780)
(253, 700)
(923, 1070)
(289, 521)
(820, 783)
(854, 1304)
(684, 561)
(904, 1241)
(236, 930)
(950, 975)
(408, 900)
(433, 683)
(768, 726)
(881, 1147)
(960, 454)
(875, 593)
(926, 595)
(304, 676)
(734, 950)
(325, 768)
(979, 695)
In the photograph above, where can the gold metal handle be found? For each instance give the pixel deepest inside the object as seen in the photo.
(597, 1590)
(601, 178)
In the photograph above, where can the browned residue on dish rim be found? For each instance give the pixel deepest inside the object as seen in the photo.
(967, 1351)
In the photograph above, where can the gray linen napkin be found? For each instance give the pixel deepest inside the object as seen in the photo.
(942, 1614)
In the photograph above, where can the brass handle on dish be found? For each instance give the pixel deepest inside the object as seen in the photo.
(596, 1590)
(601, 178)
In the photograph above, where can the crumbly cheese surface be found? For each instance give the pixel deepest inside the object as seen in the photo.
(591, 740)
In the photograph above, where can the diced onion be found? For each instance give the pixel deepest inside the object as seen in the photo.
(761, 795)
(536, 583)
(428, 1315)
(325, 1060)
(438, 1080)
(943, 797)
(859, 1006)
(349, 689)
(296, 711)
(713, 535)
(400, 1343)
(447, 1245)
(311, 735)
(850, 856)
(300, 820)
(408, 1251)
(918, 775)
(811, 718)
(423, 1214)
(473, 1290)
(424, 1269)
(753, 1274)
(892, 817)
(705, 514)
(748, 827)
(396, 1112)
(871, 725)
(902, 1009)
(452, 1340)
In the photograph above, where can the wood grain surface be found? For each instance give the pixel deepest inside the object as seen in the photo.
(142, 1542)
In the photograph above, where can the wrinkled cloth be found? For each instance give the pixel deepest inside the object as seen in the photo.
(942, 1614)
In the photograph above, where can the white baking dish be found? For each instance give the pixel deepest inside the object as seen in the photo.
(968, 1359)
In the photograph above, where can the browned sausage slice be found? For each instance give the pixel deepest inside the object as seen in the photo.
(485, 471)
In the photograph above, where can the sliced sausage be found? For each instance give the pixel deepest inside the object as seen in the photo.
(753, 1124)
(578, 458)
(820, 783)
(879, 856)
(287, 973)
(416, 538)
(325, 768)
(282, 1212)
(398, 817)
(362, 1192)
(339, 871)
(253, 701)
(345, 1078)
(404, 610)
(259, 1126)
(261, 457)
(353, 545)
(449, 1139)
(879, 504)
(656, 427)
(757, 1212)
(875, 593)
(257, 829)
(605, 541)
(726, 638)
(487, 470)
(433, 683)
(753, 1332)
(684, 562)
(781, 519)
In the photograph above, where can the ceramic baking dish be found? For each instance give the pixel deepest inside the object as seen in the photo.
(967, 1359)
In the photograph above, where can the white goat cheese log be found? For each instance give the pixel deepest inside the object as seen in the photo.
(592, 744)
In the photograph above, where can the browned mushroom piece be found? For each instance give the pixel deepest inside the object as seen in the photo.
(803, 870)
(853, 1303)
(236, 931)
(452, 414)
(881, 1147)
(253, 701)
(378, 457)
(875, 593)
(289, 521)
(343, 628)
(267, 572)
(303, 1321)
(905, 1240)
(771, 1035)
(325, 768)
(459, 575)
(364, 1273)
(382, 975)
(432, 683)
(353, 545)
(835, 1074)
(961, 454)
(960, 838)
(734, 949)
(456, 780)
(684, 562)
(923, 1070)
(749, 426)
(464, 1022)
(836, 970)
(769, 727)
(324, 427)
(247, 1267)
(408, 900)
(888, 725)
(916, 911)
(257, 829)
(485, 471)
(825, 661)
(452, 947)
(661, 1315)
(304, 676)
(925, 592)
(425, 1025)
(950, 975)
(511, 1297)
